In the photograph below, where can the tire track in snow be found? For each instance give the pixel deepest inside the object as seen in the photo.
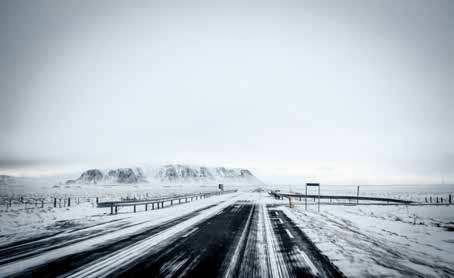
(302, 258)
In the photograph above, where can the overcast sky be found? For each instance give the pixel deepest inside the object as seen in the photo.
(338, 91)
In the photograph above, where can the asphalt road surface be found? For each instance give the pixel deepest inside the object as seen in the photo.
(243, 239)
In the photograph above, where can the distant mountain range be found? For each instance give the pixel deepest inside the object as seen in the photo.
(172, 173)
(120, 175)
(6, 180)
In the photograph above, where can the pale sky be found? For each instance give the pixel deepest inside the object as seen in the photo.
(338, 91)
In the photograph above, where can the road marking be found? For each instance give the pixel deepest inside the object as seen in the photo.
(280, 221)
(276, 261)
(289, 234)
(308, 261)
(190, 232)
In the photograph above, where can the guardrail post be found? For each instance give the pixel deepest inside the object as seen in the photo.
(179, 201)
(450, 199)
(146, 207)
(111, 208)
(55, 202)
(116, 209)
(134, 208)
(171, 202)
(162, 204)
(69, 202)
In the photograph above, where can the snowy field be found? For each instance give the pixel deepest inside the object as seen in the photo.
(376, 240)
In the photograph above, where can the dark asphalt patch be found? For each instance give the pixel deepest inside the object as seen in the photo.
(203, 253)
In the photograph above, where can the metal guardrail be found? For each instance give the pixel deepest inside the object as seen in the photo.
(280, 195)
(157, 203)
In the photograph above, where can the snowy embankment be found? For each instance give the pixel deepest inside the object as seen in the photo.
(369, 240)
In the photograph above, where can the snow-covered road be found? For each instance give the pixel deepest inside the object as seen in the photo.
(236, 236)
(246, 234)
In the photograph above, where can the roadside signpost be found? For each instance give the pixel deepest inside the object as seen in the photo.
(312, 185)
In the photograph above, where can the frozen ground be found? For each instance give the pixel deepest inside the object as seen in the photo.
(240, 234)
(371, 240)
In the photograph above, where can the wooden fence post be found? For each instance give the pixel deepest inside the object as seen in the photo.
(357, 195)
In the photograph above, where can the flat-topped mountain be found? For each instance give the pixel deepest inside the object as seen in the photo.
(178, 172)
(120, 175)
(171, 173)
